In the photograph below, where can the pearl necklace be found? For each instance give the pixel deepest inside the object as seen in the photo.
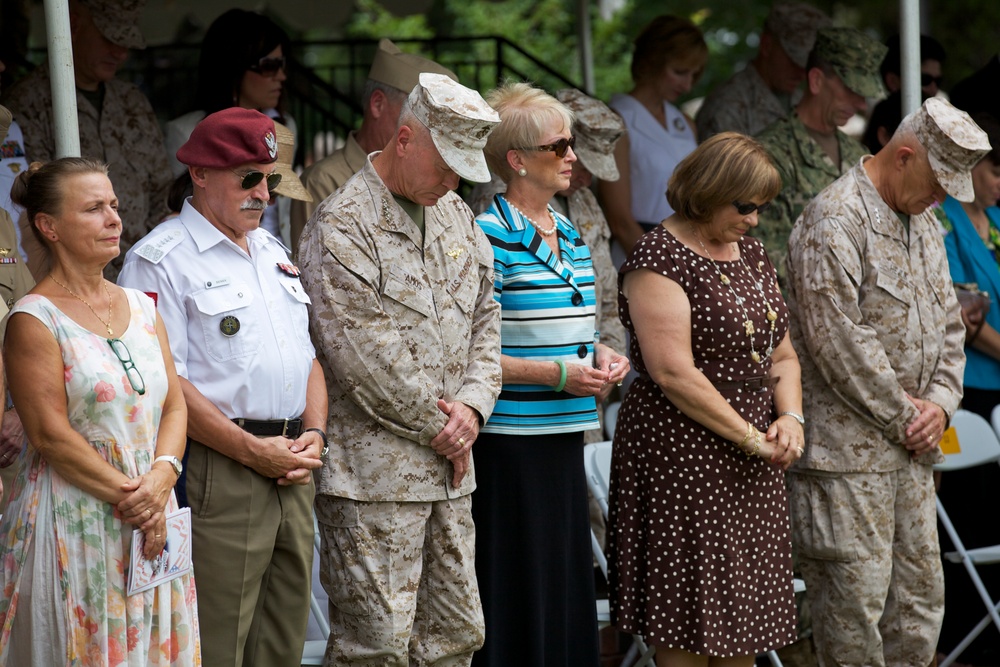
(543, 232)
(107, 325)
(748, 326)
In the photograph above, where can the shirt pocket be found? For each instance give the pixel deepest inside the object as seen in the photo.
(298, 308)
(228, 322)
(406, 298)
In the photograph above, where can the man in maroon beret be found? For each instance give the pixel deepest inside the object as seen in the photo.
(237, 319)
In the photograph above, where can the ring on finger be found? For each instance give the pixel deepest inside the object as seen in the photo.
(461, 441)
(149, 512)
(799, 450)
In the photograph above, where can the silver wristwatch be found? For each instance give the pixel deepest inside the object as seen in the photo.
(796, 416)
(174, 462)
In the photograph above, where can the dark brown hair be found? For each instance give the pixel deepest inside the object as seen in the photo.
(667, 39)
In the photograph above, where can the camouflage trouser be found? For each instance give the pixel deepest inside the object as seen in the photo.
(868, 551)
(402, 582)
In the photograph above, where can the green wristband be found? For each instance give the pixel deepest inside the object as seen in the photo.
(562, 375)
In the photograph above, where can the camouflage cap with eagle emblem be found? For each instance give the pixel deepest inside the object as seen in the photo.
(459, 120)
(229, 138)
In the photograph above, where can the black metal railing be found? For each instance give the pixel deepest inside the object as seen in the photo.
(326, 78)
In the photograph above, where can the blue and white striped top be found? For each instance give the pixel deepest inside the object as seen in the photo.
(547, 313)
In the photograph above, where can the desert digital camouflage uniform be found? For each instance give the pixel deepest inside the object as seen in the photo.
(743, 104)
(321, 179)
(400, 320)
(124, 133)
(805, 169)
(875, 319)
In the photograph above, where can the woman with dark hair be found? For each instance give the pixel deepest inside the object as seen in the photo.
(669, 58)
(242, 64)
(699, 545)
(93, 380)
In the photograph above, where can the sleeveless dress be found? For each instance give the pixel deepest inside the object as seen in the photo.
(64, 554)
(699, 549)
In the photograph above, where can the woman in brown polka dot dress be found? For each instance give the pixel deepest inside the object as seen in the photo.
(698, 537)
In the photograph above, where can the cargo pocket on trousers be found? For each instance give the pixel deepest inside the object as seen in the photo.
(198, 480)
(822, 518)
(345, 561)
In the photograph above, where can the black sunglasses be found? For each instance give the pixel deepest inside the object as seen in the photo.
(131, 372)
(746, 208)
(252, 178)
(268, 66)
(559, 148)
(927, 79)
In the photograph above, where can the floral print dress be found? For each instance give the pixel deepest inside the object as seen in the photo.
(64, 554)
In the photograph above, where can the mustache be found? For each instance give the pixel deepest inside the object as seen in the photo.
(254, 205)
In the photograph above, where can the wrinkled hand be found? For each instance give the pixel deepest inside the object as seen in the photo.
(585, 381)
(616, 365)
(274, 457)
(154, 537)
(147, 499)
(11, 437)
(783, 443)
(456, 438)
(925, 432)
(461, 467)
(309, 445)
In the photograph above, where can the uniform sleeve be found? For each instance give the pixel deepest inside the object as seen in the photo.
(825, 263)
(358, 338)
(143, 275)
(946, 386)
(28, 102)
(483, 378)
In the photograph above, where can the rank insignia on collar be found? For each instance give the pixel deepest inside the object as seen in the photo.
(289, 269)
(456, 251)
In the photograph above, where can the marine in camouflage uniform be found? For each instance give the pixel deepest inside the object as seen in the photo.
(407, 328)
(764, 91)
(843, 71)
(123, 132)
(392, 76)
(880, 338)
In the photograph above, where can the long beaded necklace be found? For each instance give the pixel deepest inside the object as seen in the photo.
(543, 232)
(772, 315)
(107, 325)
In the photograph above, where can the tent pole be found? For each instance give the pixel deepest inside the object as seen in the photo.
(909, 45)
(67, 126)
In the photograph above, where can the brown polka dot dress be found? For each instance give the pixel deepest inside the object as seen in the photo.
(699, 550)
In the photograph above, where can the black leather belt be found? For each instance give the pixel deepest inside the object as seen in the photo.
(759, 383)
(289, 428)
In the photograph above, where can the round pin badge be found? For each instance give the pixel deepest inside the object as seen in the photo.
(229, 326)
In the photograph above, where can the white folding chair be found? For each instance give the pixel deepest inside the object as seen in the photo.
(313, 650)
(611, 419)
(978, 445)
(597, 462)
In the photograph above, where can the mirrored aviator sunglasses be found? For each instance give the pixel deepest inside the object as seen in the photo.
(746, 208)
(252, 178)
(268, 66)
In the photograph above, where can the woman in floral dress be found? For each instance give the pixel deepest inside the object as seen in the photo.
(91, 375)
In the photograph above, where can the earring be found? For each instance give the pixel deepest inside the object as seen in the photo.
(522, 172)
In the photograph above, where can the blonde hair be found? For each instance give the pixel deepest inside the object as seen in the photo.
(40, 188)
(727, 167)
(525, 113)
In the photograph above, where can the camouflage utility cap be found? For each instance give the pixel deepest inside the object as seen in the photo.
(229, 138)
(954, 143)
(290, 185)
(794, 24)
(459, 120)
(854, 56)
(401, 70)
(597, 129)
(118, 21)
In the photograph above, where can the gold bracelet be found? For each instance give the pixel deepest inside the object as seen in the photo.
(756, 445)
(746, 438)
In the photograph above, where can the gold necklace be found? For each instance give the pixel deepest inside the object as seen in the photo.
(107, 325)
(748, 326)
(543, 232)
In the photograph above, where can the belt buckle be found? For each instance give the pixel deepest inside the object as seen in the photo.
(755, 384)
(284, 429)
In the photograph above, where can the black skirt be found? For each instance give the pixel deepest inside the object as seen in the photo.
(533, 552)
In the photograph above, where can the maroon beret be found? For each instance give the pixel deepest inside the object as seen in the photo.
(229, 138)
